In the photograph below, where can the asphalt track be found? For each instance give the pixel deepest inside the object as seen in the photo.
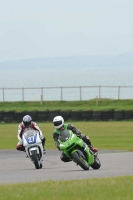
(16, 168)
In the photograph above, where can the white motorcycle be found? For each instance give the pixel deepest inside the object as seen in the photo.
(33, 147)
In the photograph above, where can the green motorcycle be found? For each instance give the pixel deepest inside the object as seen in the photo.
(77, 150)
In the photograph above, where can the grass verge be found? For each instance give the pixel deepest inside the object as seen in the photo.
(94, 104)
(118, 188)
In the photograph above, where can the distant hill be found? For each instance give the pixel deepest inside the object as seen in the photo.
(121, 60)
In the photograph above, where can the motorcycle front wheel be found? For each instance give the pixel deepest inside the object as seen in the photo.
(80, 161)
(96, 164)
(35, 159)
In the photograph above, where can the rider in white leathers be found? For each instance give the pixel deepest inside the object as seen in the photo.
(28, 123)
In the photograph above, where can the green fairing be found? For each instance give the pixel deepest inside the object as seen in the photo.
(72, 144)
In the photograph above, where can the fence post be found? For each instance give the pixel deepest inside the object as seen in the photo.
(42, 93)
(80, 93)
(61, 94)
(118, 92)
(22, 94)
(99, 91)
(3, 95)
(41, 99)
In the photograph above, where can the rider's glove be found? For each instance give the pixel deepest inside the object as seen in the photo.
(78, 133)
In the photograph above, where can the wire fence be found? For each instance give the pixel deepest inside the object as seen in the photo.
(73, 93)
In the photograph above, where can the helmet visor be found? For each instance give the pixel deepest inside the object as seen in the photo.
(57, 123)
(27, 124)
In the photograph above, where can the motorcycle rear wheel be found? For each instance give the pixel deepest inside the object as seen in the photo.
(80, 161)
(35, 159)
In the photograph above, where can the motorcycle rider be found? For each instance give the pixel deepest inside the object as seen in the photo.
(28, 123)
(59, 125)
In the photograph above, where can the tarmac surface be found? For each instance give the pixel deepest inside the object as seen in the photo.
(16, 168)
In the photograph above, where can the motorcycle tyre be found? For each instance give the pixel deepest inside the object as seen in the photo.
(35, 159)
(77, 159)
(96, 164)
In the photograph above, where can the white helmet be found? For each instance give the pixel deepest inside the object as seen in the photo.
(27, 120)
(58, 122)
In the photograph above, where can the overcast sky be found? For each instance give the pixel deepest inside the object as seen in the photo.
(50, 28)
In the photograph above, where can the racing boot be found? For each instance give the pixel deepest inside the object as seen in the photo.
(88, 142)
(44, 150)
(93, 149)
(20, 147)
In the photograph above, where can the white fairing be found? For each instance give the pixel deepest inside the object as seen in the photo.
(32, 142)
(30, 135)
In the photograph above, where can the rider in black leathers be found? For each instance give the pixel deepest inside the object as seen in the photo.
(59, 125)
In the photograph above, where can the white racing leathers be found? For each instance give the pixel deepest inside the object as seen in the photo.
(22, 128)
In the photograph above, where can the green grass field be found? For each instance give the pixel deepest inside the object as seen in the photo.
(104, 135)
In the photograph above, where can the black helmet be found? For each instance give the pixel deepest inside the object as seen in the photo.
(27, 120)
